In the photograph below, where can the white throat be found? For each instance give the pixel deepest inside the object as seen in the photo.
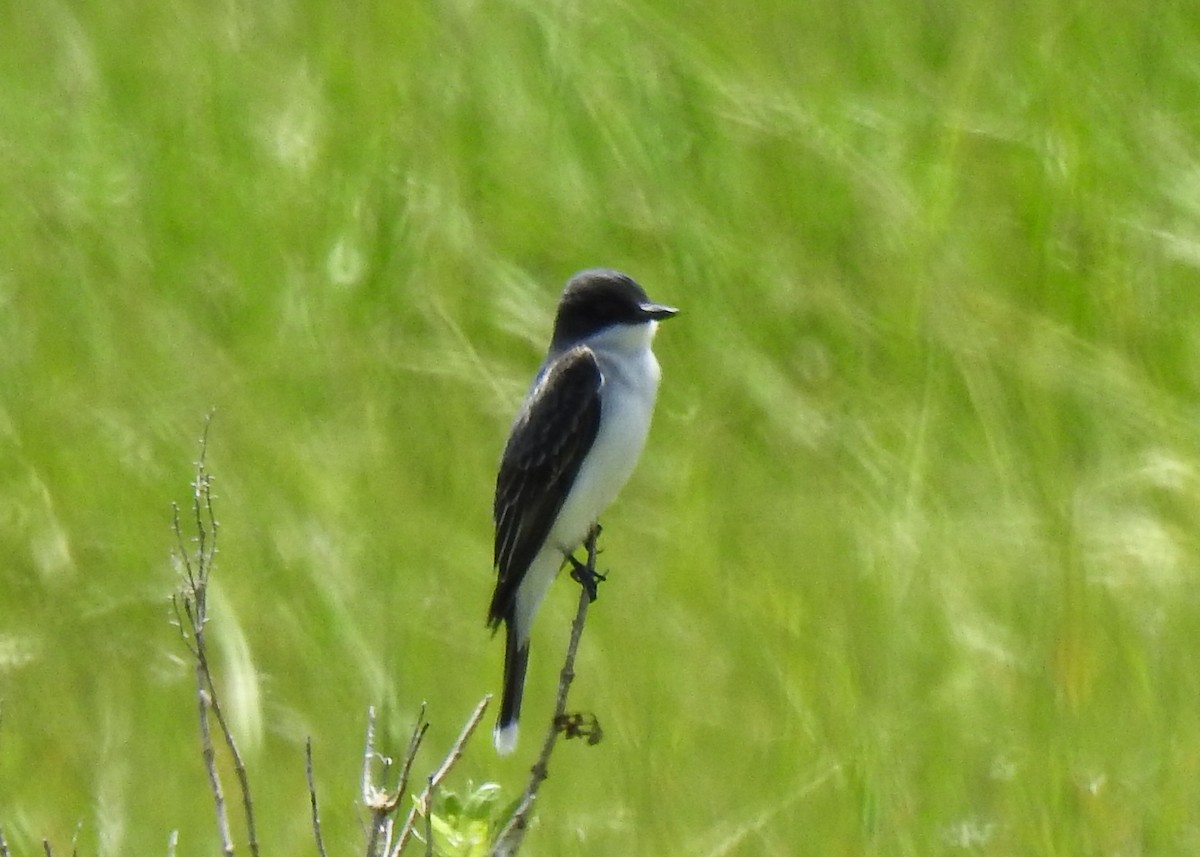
(630, 339)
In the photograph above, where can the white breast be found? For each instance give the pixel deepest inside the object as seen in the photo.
(631, 376)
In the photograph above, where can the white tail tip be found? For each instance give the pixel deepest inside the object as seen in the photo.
(505, 738)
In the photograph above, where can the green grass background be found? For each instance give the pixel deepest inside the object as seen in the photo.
(910, 567)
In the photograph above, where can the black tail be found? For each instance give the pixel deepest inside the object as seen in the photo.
(516, 659)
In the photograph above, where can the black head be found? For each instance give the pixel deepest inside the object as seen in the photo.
(600, 298)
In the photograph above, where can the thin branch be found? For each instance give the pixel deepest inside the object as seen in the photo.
(410, 755)
(382, 804)
(312, 797)
(192, 605)
(368, 755)
(182, 556)
(239, 766)
(456, 752)
(508, 842)
(180, 610)
(209, 754)
(428, 810)
(46, 847)
(460, 743)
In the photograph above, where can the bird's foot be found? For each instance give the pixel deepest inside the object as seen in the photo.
(586, 576)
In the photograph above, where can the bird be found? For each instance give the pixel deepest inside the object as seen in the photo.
(572, 447)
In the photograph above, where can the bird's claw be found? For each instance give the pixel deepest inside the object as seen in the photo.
(586, 576)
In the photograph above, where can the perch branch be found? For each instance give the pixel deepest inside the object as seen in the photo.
(508, 842)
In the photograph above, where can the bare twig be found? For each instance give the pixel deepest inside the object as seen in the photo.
(312, 797)
(378, 800)
(239, 766)
(209, 754)
(508, 842)
(410, 755)
(368, 755)
(369, 791)
(46, 847)
(383, 804)
(428, 810)
(192, 605)
(456, 752)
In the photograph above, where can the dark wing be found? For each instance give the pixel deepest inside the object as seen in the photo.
(548, 443)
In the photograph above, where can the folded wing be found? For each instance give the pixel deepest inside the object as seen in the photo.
(545, 450)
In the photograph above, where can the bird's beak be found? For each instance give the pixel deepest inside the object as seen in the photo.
(658, 312)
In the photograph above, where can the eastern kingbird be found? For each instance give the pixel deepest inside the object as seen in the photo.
(572, 447)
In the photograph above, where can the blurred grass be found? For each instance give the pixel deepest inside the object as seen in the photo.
(909, 567)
